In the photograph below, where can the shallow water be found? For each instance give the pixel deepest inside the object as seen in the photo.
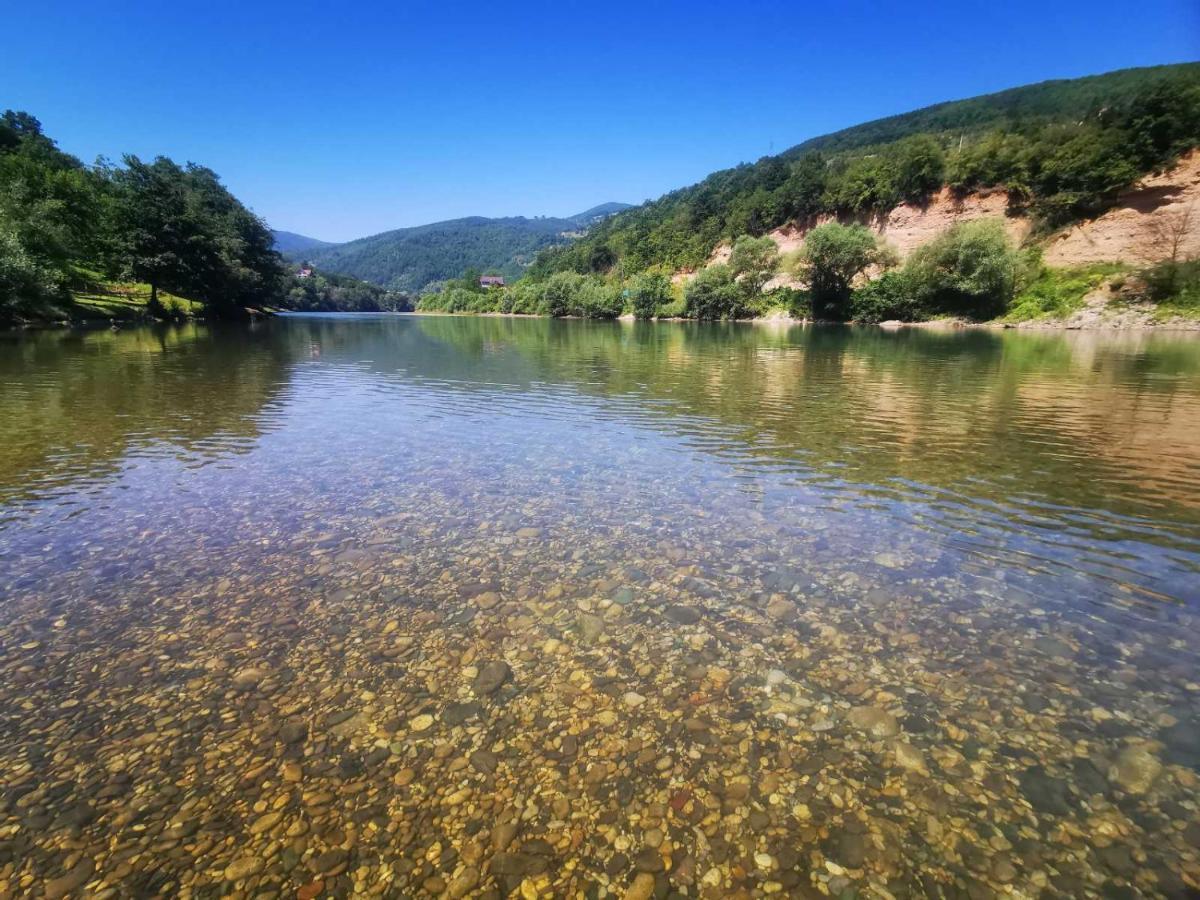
(423, 606)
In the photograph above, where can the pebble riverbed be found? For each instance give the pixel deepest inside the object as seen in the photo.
(490, 672)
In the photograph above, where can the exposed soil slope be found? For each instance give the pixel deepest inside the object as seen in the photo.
(1138, 230)
(1141, 228)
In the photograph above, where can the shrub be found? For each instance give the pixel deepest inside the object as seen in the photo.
(714, 294)
(920, 166)
(648, 293)
(24, 282)
(971, 269)
(560, 293)
(525, 297)
(1174, 284)
(598, 299)
(796, 303)
(890, 296)
(675, 308)
(833, 255)
(1057, 292)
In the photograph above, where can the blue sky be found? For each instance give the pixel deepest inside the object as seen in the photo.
(344, 119)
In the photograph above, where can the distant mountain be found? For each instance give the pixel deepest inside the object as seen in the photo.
(408, 259)
(596, 213)
(291, 244)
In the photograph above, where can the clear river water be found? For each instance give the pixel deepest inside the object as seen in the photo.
(410, 606)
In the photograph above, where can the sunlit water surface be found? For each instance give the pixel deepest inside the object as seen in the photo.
(423, 606)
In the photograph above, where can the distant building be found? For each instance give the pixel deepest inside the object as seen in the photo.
(305, 272)
(486, 281)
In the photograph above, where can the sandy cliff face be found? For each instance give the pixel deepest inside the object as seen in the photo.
(1138, 230)
(1160, 210)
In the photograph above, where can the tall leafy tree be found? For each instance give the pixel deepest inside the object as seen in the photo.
(833, 256)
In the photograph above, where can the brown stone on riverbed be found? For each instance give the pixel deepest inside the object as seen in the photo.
(875, 721)
(487, 600)
(293, 732)
(71, 881)
(331, 862)
(642, 887)
(683, 615)
(491, 676)
(243, 867)
(782, 609)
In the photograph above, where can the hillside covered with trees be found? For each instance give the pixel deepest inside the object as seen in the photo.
(1062, 150)
(410, 259)
(319, 291)
(1058, 152)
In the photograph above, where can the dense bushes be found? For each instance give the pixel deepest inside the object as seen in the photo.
(714, 294)
(970, 270)
(565, 294)
(1056, 293)
(888, 298)
(649, 293)
(1174, 284)
(722, 291)
(754, 262)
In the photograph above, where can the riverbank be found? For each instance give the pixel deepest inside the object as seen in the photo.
(1141, 318)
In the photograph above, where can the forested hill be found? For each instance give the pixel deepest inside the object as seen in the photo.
(1062, 150)
(294, 245)
(140, 239)
(1074, 99)
(596, 213)
(408, 259)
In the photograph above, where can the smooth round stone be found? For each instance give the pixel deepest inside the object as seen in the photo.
(875, 721)
(243, 867)
(421, 722)
(1135, 770)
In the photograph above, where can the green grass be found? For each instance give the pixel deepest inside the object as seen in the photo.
(94, 297)
(1174, 289)
(1056, 293)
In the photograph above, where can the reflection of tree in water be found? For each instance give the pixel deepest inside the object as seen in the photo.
(72, 404)
(1083, 420)
(1108, 422)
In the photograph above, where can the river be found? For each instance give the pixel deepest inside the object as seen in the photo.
(449, 606)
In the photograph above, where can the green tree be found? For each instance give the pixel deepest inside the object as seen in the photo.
(920, 167)
(180, 229)
(162, 238)
(832, 257)
(714, 294)
(754, 262)
(560, 293)
(864, 184)
(970, 269)
(598, 299)
(648, 292)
